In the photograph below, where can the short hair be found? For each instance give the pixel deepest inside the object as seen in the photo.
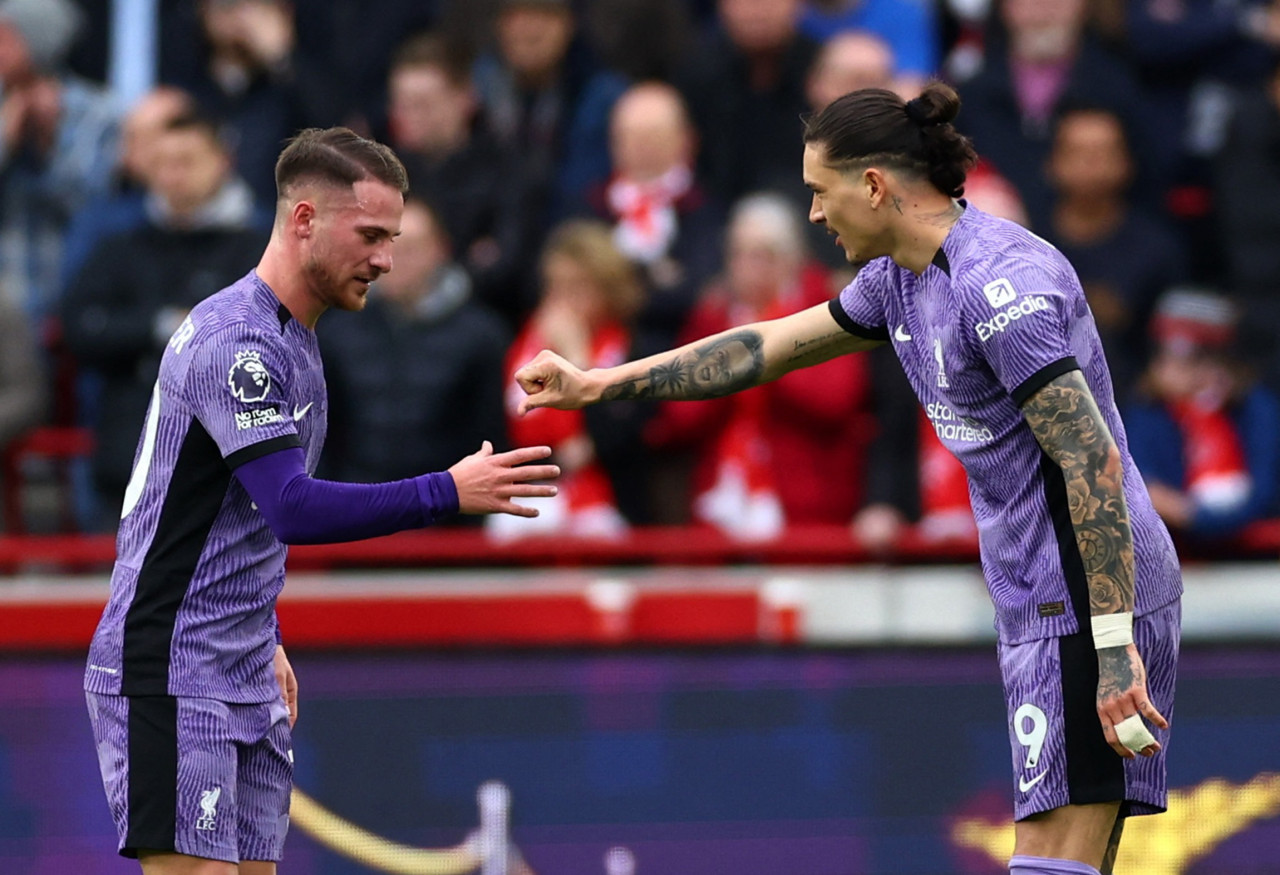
(777, 215)
(338, 157)
(193, 120)
(589, 244)
(433, 50)
(876, 126)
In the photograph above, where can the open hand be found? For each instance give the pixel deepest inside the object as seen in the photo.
(550, 380)
(1122, 693)
(487, 481)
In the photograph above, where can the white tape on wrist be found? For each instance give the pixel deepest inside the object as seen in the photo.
(1133, 733)
(1112, 630)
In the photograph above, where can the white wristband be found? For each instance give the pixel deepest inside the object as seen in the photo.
(1112, 630)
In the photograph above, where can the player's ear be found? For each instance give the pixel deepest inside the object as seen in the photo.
(302, 217)
(873, 185)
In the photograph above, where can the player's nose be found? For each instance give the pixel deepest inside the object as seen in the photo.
(815, 211)
(381, 259)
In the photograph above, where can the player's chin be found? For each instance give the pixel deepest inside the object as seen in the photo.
(355, 296)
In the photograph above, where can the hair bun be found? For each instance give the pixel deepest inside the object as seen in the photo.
(937, 104)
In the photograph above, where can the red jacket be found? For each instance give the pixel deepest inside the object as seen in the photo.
(816, 422)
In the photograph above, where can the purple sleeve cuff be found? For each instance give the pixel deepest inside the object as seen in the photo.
(303, 510)
(438, 495)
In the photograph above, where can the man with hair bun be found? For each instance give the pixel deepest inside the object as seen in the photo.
(996, 338)
(190, 695)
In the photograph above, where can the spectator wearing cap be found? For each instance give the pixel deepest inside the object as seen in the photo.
(58, 137)
(1202, 431)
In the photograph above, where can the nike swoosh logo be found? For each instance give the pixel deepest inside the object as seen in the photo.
(900, 333)
(1024, 785)
(299, 412)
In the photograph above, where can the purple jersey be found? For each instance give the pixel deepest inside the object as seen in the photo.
(193, 591)
(997, 315)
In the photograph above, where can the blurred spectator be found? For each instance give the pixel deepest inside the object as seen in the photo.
(247, 73)
(1247, 192)
(791, 451)
(642, 39)
(662, 218)
(202, 233)
(57, 148)
(746, 92)
(23, 394)
(416, 379)
(352, 42)
(123, 207)
(909, 28)
(848, 61)
(546, 98)
(992, 193)
(912, 479)
(589, 296)
(1203, 432)
(1123, 256)
(1045, 60)
(451, 158)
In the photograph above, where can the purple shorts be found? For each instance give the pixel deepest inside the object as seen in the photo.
(1060, 755)
(195, 776)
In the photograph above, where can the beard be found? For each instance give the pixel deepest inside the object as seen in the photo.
(330, 287)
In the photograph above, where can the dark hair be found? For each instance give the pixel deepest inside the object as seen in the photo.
(1069, 109)
(433, 50)
(194, 120)
(875, 126)
(337, 156)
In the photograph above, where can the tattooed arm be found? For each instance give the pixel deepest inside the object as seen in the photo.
(718, 365)
(1066, 421)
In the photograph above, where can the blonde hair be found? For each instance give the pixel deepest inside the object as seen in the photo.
(589, 244)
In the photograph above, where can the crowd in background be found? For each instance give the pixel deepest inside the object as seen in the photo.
(609, 177)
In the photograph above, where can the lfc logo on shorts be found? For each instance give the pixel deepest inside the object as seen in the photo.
(208, 809)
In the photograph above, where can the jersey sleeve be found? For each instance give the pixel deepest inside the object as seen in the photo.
(859, 309)
(237, 386)
(1022, 325)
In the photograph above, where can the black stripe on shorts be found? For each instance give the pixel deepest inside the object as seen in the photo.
(153, 775)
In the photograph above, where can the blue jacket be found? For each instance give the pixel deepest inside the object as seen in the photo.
(1157, 447)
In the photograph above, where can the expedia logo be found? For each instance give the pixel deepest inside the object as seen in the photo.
(1002, 320)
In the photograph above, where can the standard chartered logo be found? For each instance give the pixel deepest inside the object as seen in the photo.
(999, 322)
(950, 427)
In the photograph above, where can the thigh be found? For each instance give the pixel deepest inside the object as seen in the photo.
(1059, 754)
(264, 784)
(168, 767)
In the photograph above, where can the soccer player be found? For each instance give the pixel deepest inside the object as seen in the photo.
(993, 331)
(190, 694)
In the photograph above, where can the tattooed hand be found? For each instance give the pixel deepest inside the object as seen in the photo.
(1122, 692)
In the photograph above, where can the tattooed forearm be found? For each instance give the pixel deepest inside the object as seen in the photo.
(1118, 670)
(724, 365)
(815, 350)
(1067, 423)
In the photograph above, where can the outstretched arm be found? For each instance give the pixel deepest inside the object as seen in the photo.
(721, 364)
(1066, 421)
